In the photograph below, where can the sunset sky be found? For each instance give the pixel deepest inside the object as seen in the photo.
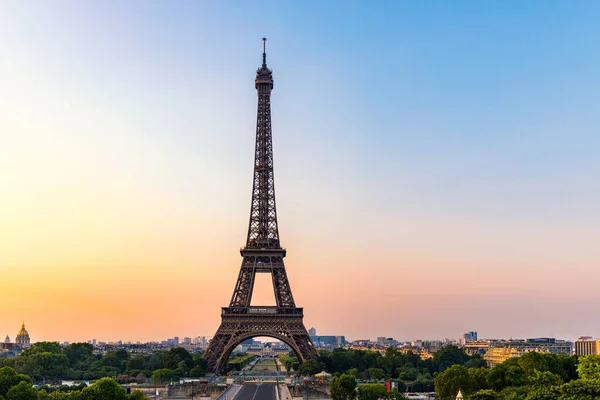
(437, 165)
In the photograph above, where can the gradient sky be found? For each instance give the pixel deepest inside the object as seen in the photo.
(437, 165)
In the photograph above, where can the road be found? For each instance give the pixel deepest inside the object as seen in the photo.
(264, 391)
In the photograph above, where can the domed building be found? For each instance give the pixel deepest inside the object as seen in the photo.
(22, 340)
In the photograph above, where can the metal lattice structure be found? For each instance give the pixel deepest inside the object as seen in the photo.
(262, 254)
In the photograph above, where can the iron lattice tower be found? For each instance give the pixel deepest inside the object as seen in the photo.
(262, 254)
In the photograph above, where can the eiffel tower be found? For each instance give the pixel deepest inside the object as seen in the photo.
(262, 254)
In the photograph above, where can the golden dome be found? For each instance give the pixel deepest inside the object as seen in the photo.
(23, 331)
(23, 337)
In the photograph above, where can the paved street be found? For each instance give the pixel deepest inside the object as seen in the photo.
(264, 391)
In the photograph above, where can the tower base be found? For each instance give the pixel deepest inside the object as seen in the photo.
(239, 324)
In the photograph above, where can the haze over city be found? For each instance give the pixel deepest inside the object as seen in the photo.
(437, 168)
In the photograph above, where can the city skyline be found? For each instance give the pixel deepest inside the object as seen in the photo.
(436, 166)
(388, 339)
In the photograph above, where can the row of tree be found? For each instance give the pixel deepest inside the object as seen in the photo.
(236, 363)
(15, 386)
(406, 368)
(344, 387)
(533, 376)
(48, 362)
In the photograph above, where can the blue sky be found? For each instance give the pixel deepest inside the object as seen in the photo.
(438, 145)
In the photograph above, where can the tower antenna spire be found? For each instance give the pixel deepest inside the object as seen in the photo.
(264, 52)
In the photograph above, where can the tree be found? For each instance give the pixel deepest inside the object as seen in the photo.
(57, 395)
(451, 380)
(534, 361)
(569, 366)
(485, 394)
(589, 367)
(543, 393)
(46, 365)
(476, 362)
(43, 347)
(376, 373)
(513, 393)
(162, 376)
(343, 387)
(448, 356)
(310, 367)
(110, 359)
(544, 379)
(515, 376)
(175, 356)
(104, 389)
(10, 378)
(290, 363)
(478, 378)
(353, 372)
(506, 374)
(121, 354)
(22, 391)
(138, 362)
(141, 378)
(41, 395)
(197, 372)
(372, 391)
(581, 389)
(182, 369)
(137, 395)
(79, 353)
(396, 395)
(155, 360)
(408, 373)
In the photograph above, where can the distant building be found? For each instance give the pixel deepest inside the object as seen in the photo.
(199, 340)
(432, 345)
(478, 347)
(386, 341)
(497, 355)
(312, 332)
(22, 340)
(268, 349)
(470, 337)
(329, 341)
(423, 354)
(6, 347)
(586, 345)
(500, 351)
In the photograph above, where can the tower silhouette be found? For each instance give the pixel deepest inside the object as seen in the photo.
(262, 254)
